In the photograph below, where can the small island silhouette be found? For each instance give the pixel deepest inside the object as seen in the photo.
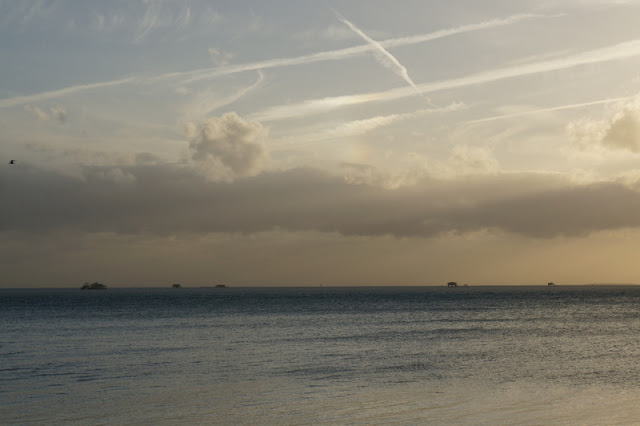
(93, 286)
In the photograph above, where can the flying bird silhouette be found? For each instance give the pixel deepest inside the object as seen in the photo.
(12, 162)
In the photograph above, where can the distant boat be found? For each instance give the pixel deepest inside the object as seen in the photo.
(176, 286)
(221, 286)
(452, 284)
(94, 286)
(550, 284)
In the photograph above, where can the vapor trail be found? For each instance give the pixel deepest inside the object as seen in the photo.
(333, 55)
(609, 53)
(25, 99)
(550, 109)
(380, 53)
(206, 102)
(355, 127)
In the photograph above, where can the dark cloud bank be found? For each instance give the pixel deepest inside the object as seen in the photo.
(166, 200)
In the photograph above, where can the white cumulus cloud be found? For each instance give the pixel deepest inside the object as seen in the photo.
(228, 147)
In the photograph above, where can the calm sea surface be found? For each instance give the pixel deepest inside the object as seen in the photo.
(427, 355)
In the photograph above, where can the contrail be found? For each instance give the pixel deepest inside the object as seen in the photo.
(550, 109)
(25, 99)
(203, 105)
(333, 55)
(381, 54)
(609, 53)
(357, 127)
(349, 52)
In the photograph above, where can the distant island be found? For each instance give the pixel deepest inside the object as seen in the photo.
(94, 286)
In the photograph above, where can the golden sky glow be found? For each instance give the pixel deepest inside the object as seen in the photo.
(307, 143)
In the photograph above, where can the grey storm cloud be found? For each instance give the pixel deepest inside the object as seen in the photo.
(169, 200)
(570, 211)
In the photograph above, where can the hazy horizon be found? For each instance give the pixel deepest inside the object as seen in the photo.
(273, 143)
(241, 286)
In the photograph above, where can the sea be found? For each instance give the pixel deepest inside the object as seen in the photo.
(494, 355)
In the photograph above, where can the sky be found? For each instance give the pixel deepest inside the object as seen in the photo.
(295, 143)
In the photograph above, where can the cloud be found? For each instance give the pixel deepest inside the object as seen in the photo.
(220, 57)
(113, 21)
(227, 147)
(333, 33)
(620, 131)
(169, 20)
(115, 175)
(569, 211)
(146, 158)
(37, 112)
(25, 13)
(59, 113)
(624, 131)
(473, 160)
(172, 199)
(364, 174)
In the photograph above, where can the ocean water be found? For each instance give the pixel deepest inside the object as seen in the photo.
(297, 356)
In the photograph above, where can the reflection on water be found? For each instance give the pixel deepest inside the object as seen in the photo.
(477, 355)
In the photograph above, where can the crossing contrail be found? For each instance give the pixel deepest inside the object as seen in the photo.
(333, 55)
(381, 54)
(615, 52)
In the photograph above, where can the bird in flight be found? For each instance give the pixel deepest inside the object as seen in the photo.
(12, 162)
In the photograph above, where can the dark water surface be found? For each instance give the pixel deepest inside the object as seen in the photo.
(408, 355)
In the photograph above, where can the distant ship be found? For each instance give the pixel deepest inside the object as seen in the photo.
(221, 286)
(94, 286)
(176, 286)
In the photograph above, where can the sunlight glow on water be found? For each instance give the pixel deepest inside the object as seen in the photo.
(332, 356)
